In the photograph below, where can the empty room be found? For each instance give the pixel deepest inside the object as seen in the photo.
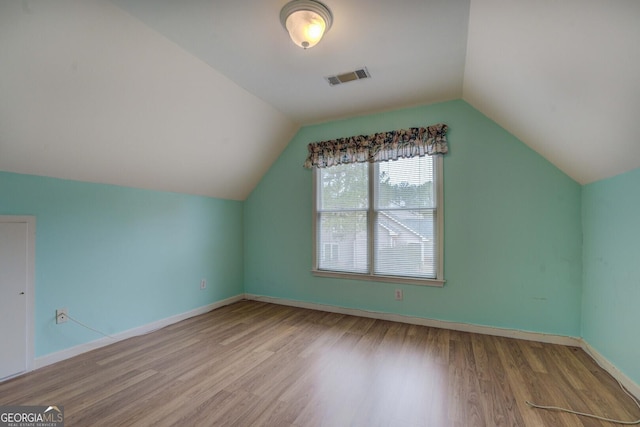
(335, 213)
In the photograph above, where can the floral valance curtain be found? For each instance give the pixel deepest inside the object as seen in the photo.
(379, 147)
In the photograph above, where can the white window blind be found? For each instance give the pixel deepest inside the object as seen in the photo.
(404, 218)
(380, 219)
(343, 205)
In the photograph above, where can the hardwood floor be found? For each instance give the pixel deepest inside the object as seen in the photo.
(258, 364)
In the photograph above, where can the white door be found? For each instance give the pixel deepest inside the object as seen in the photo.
(15, 295)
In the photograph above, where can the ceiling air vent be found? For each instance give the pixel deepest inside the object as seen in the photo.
(361, 73)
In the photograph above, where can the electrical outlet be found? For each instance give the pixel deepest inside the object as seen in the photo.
(398, 294)
(61, 315)
(203, 284)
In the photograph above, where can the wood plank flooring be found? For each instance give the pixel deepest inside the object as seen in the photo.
(259, 364)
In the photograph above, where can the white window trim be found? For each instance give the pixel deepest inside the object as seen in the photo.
(439, 281)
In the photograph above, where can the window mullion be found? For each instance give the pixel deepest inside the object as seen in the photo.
(372, 214)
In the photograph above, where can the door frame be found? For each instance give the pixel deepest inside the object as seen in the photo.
(30, 291)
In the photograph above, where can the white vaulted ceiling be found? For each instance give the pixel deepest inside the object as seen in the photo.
(563, 76)
(164, 94)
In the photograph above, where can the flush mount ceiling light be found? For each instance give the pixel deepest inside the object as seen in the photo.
(306, 21)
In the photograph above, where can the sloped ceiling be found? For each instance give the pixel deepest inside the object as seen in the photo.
(414, 49)
(201, 96)
(89, 93)
(563, 76)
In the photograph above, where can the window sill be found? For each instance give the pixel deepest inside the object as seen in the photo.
(389, 279)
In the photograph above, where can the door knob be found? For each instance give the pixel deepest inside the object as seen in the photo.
(21, 293)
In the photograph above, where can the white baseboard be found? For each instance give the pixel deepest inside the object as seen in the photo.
(140, 330)
(456, 326)
(616, 373)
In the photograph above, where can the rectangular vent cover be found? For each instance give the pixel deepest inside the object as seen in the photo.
(359, 74)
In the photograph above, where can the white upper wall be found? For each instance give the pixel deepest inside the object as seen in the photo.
(563, 76)
(89, 93)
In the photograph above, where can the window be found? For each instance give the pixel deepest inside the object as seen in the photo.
(380, 220)
(330, 252)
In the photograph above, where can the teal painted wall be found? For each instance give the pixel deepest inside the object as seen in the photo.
(611, 295)
(513, 256)
(119, 258)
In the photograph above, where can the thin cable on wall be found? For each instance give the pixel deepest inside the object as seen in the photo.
(98, 331)
(86, 326)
